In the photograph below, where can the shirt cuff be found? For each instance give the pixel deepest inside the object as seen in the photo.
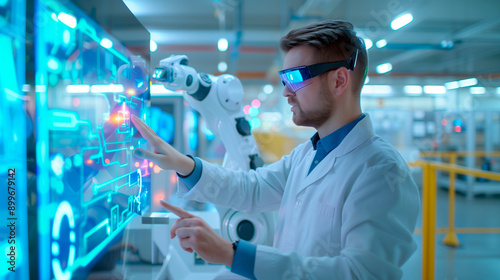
(244, 259)
(192, 179)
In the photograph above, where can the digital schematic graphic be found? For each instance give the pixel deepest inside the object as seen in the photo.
(88, 85)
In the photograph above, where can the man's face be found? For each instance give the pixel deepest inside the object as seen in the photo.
(312, 105)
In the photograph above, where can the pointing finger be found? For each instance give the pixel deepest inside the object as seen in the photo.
(176, 210)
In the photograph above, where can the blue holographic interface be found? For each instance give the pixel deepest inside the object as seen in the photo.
(14, 263)
(88, 85)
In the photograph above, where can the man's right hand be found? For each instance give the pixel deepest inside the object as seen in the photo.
(164, 155)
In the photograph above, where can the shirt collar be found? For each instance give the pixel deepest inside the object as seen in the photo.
(332, 140)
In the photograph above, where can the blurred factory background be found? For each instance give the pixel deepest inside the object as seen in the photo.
(424, 78)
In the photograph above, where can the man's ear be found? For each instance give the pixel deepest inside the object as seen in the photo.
(338, 80)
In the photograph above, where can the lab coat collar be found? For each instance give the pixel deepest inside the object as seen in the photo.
(358, 135)
(332, 140)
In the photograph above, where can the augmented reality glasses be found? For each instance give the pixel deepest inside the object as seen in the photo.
(298, 77)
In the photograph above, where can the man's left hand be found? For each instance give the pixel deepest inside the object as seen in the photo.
(196, 235)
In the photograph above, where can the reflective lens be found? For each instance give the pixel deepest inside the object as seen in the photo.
(299, 77)
(295, 78)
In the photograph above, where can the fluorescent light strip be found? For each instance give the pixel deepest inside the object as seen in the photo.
(435, 89)
(498, 90)
(477, 90)
(376, 90)
(106, 88)
(401, 21)
(383, 68)
(381, 43)
(452, 85)
(412, 90)
(78, 89)
(462, 83)
(160, 89)
(467, 82)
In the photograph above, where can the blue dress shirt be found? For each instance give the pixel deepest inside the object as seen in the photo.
(326, 144)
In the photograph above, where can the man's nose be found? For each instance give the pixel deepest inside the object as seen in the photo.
(287, 92)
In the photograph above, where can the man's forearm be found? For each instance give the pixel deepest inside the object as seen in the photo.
(185, 164)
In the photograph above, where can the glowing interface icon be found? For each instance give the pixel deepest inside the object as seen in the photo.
(64, 210)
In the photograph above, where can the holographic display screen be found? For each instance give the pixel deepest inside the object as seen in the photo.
(89, 184)
(14, 131)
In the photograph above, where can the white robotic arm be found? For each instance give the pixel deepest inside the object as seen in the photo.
(218, 99)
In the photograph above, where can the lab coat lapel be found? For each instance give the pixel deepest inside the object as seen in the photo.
(358, 135)
(323, 168)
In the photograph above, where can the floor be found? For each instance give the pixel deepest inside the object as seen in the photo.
(478, 256)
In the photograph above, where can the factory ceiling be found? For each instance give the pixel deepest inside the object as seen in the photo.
(447, 39)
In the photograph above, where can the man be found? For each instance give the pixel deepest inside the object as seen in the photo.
(347, 203)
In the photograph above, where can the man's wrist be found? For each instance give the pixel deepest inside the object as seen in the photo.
(244, 259)
(192, 179)
(229, 249)
(186, 165)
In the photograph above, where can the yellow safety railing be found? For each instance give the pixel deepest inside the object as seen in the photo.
(429, 193)
(457, 154)
(451, 238)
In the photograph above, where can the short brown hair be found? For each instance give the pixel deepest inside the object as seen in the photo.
(335, 40)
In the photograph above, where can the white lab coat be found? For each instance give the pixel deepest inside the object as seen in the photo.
(352, 217)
